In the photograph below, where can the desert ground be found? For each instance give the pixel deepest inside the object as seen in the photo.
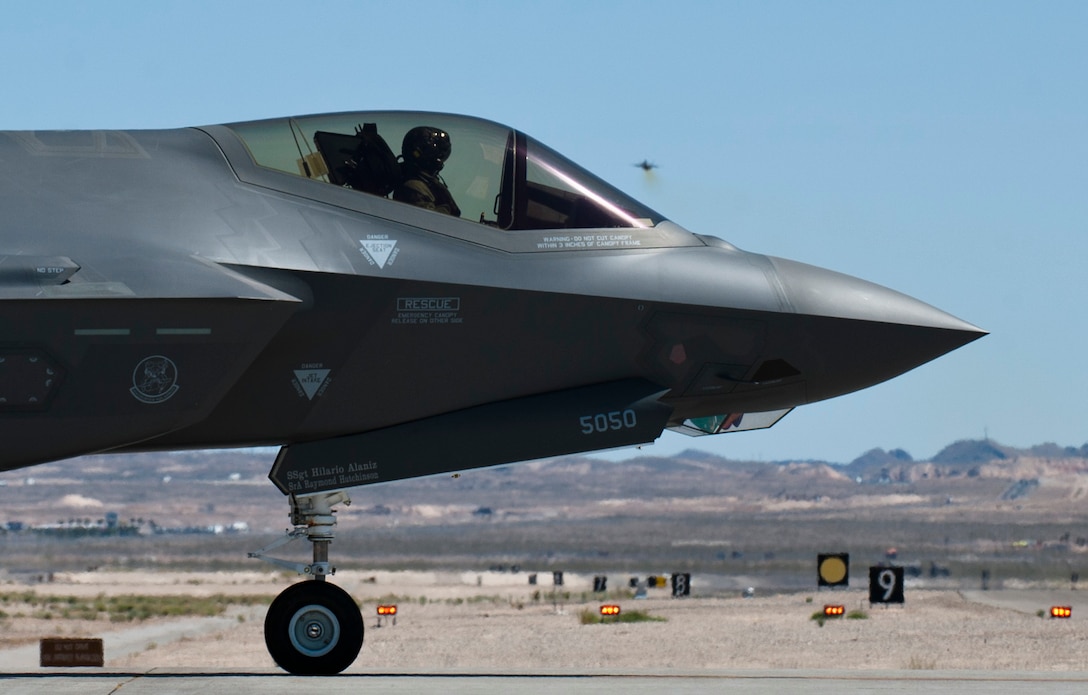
(1015, 525)
(450, 621)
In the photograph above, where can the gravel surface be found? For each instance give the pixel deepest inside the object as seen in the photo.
(448, 622)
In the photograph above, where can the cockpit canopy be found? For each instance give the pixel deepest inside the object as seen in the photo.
(497, 176)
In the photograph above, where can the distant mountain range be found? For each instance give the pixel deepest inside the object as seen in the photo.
(966, 458)
(220, 488)
(971, 451)
(962, 452)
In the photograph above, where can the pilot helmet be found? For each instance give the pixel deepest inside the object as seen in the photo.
(426, 147)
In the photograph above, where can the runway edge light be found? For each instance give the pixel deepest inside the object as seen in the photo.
(834, 610)
(610, 610)
(387, 609)
(1061, 611)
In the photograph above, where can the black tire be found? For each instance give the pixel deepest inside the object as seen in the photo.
(313, 628)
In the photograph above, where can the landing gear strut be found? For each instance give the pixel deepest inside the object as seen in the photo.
(313, 627)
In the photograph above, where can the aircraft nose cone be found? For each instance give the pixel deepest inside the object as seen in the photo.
(821, 292)
(867, 333)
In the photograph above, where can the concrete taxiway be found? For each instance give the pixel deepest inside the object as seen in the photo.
(806, 682)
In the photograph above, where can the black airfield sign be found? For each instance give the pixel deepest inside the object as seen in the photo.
(681, 584)
(885, 585)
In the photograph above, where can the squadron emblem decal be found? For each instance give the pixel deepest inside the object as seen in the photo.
(154, 380)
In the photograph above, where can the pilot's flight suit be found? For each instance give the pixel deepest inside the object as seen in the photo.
(426, 191)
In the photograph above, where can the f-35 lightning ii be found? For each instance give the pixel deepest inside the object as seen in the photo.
(476, 300)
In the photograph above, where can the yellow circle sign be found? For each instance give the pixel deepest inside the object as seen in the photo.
(833, 569)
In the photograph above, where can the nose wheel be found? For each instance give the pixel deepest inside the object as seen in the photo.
(313, 628)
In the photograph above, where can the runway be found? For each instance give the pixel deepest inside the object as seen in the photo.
(806, 682)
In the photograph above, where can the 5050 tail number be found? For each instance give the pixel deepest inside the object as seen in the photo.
(612, 421)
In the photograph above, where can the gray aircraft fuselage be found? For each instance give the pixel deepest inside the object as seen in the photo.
(214, 287)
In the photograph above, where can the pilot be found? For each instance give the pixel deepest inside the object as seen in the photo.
(423, 153)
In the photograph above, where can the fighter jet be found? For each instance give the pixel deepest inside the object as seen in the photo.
(477, 299)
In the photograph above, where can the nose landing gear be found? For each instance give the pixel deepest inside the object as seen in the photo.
(313, 627)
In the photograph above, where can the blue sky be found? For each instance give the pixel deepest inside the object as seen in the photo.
(938, 148)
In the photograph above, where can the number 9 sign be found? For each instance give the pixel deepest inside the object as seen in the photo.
(885, 585)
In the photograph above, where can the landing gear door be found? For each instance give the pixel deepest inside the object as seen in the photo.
(604, 416)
